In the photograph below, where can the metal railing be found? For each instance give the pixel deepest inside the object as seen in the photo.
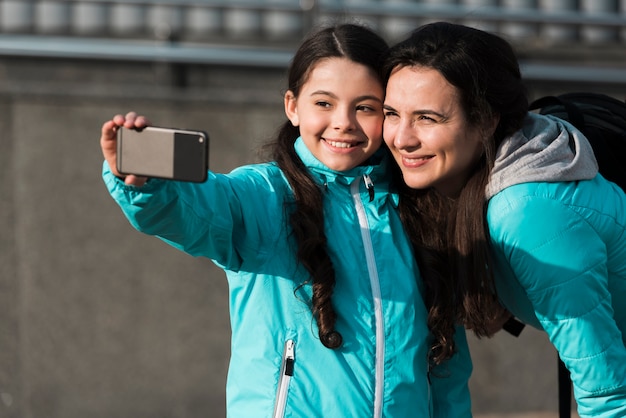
(264, 32)
(587, 21)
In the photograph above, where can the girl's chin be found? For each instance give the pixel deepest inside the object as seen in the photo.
(344, 163)
(341, 167)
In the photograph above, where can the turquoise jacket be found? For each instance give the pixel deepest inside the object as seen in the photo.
(278, 366)
(558, 230)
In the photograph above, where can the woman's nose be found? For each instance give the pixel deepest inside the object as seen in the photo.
(405, 137)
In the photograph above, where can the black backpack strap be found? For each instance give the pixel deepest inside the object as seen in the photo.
(513, 326)
(574, 115)
(611, 104)
(565, 391)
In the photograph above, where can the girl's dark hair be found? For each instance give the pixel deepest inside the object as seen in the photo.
(359, 45)
(450, 236)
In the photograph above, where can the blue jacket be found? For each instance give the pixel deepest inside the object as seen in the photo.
(278, 366)
(558, 230)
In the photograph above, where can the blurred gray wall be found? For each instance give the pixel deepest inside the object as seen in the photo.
(98, 320)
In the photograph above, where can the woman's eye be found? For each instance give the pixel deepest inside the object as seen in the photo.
(366, 108)
(390, 114)
(322, 104)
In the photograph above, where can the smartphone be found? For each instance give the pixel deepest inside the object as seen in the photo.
(167, 153)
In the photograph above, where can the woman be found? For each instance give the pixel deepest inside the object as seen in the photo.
(321, 276)
(508, 207)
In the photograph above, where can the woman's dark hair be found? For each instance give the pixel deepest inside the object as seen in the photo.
(359, 45)
(450, 236)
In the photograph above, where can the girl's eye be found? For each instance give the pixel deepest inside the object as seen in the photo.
(322, 104)
(366, 108)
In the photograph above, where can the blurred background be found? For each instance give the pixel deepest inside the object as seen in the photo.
(97, 320)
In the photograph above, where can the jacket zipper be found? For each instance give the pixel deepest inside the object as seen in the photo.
(369, 185)
(286, 372)
(375, 285)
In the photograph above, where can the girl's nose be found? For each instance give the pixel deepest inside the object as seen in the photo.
(344, 120)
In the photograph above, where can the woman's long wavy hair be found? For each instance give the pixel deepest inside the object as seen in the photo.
(306, 219)
(450, 236)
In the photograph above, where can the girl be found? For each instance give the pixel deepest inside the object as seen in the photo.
(326, 304)
(507, 195)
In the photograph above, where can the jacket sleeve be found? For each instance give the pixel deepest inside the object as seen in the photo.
(449, 382)
(561, 263)
(202, 219)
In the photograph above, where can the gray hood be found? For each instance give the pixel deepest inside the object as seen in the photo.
(546, 149)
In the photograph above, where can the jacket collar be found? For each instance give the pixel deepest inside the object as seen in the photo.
(376, 167)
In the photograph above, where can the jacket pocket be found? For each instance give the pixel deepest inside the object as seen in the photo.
(286, 372)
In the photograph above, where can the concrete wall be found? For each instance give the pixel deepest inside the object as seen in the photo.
(99, 321)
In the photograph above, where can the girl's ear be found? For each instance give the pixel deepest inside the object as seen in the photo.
(291, 110)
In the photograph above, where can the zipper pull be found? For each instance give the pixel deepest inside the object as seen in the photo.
(369, 185)
(286, 372)
(289, 357)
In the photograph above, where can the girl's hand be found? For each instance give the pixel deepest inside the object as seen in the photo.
(108, 143)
